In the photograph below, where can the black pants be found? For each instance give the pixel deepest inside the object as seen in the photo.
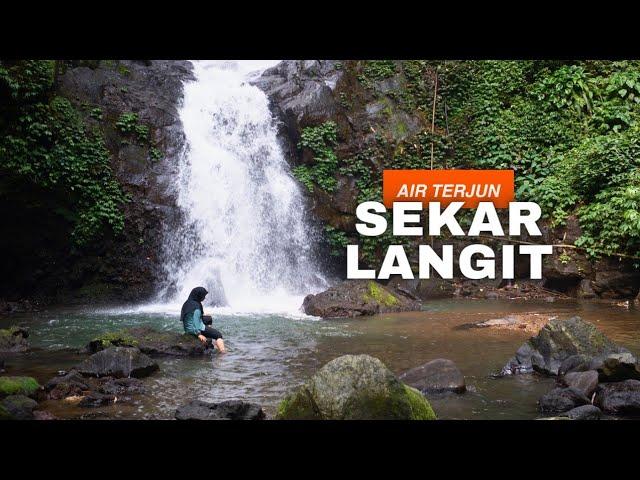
(211, 332)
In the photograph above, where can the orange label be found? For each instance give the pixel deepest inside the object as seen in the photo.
(446, 186)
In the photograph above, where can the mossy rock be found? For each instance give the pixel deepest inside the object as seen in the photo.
(355, 387)
(559, 340)
(27, 386)
(377, 293)
(112, 339)
(150, 342)
(14, 340)
(17, 407)
(353, 298)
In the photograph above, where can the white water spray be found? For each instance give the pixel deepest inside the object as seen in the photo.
(244, 235)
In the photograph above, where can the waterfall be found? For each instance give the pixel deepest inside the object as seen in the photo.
(244, 236)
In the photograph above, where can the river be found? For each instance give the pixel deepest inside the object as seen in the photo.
(270, 354)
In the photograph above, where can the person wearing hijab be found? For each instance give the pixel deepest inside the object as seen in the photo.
(191, 317)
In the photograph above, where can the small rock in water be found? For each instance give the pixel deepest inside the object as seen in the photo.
(44, 415)
(576, 363)
(14, 339)
(122, 386)
(95, 399)
(617, 367)
(17, 407)
(585, 412)
(586, 382)
(619, 398)
(229, 410)
(560, 400)
(437, 376)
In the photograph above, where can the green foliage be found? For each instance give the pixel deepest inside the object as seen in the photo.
(321, 141)
(44, 142)
(18, 386)
(155, 154)
(337, 239)
(376, 70)
(611, 223)
(96, 113)
(128, 124)
(26, 80)
(568, 129)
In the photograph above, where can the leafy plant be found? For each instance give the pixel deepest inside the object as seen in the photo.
(128, 124)
(44, 142)
(321, 141)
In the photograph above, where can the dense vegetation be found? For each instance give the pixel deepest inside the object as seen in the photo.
(569, 129)
(45, 146)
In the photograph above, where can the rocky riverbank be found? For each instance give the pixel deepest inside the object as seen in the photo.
(594, 375)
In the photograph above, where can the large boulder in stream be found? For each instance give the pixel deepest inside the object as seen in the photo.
(437, 376)
(118, 362)
(559, 340)
(150, 342)
(355, 387)
(228, 410)
(14, 340)
(354, 298)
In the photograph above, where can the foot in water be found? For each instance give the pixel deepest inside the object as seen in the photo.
(219, 345)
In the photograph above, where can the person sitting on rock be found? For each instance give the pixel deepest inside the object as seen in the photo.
(191, 317)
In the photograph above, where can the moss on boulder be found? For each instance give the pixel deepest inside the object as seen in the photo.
(27, 386)
(150, 342)
(353, 298)
(17, 407)
(355, 387)
(14, 339)
(561, 340)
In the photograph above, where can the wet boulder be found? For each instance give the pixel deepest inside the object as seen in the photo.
(44, 415)
(585, 412)
(228, 410)
(619, 398)
(586, 382)
(355, 387)
(96, 399)
(150, 342)
(67, 385)
(617, 367)
(557, 341)
(118, 362)
(121, 386)
(560, 400)
(437, 376)
(354, 298)
(17, 407)
(26, 386)
(577, 363)
(14, 340)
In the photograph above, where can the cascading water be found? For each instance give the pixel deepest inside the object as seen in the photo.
(244, 235)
